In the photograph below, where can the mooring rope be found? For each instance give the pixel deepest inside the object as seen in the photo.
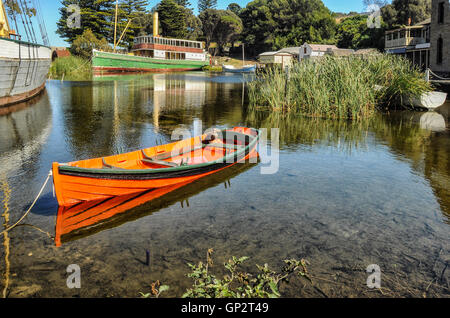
(6, 241)
(439, 77)
(29, 209)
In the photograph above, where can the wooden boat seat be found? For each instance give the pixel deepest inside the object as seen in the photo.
(224, 146)
(108, 166)
(148, 159)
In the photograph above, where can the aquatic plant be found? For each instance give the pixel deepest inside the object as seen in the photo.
(336, 87)
(72, 68)
(236, 284)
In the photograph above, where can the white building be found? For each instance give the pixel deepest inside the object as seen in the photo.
(315, 50)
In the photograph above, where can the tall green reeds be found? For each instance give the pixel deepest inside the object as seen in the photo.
(71, 68)
(334, 87)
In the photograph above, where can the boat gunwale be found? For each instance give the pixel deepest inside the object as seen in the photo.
(119, 172)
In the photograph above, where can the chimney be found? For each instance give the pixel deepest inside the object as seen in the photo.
(155, 24)
(409, 21)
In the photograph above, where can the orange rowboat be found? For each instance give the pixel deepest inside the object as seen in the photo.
(151, 168)
(90, 217)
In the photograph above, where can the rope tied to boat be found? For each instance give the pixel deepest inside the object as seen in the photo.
(437, 76)
(31, 207)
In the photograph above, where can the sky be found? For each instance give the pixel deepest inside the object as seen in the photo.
(51, 14)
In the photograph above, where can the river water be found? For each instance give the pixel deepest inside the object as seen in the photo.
(346, 195)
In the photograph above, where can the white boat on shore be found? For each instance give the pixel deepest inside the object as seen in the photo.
(429, 100)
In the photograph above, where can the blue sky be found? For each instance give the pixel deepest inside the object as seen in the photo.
(51, 13)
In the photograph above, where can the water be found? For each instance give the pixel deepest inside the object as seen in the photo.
(346, 195)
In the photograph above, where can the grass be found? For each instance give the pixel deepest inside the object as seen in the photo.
(333, 87)
(71, 68)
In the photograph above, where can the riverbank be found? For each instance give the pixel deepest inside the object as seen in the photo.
(224, 60)
(71, 68)
(332, 87)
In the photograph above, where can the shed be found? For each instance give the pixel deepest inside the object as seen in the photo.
(276, 58)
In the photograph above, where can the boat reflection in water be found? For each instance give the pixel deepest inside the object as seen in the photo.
(87, 218)
(24, 128)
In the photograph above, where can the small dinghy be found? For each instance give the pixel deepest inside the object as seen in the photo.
(244, 69)
(429, 100)
(151, 168)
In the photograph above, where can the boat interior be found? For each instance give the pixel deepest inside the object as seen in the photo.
(198, 150)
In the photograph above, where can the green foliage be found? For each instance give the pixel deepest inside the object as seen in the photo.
(96, 15)
(206, 4)
(235, 8)
(213, 69)
(130, 11)
(157, 290)
(238, 284)
(353, 33)
(331, 87)
(71, 68)
(400, 11)
(271, 24)
(221, 26)
(83, 45)
(193, 26)
(172, 18)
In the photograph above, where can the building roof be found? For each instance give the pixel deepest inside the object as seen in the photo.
(294, 50)
(340, 52)
(322, 47)
(274, 53)
(369, 51)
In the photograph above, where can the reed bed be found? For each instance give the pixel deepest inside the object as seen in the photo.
(336, 87)
(71, 68)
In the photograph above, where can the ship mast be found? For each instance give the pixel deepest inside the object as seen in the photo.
(115, 25)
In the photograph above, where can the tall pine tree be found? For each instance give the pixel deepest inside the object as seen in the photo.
(130, 11)
(96, 15)
(206, 4)
(172, 18)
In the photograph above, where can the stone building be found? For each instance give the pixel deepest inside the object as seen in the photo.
(440, 36)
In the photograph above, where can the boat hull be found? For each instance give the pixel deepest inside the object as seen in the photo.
(75, 184)
(105, 62)
(430, 100)
(250, 69)
(23, 70)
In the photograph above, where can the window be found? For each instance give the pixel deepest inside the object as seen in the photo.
(440, 49)
(389, 38)
(441, 12)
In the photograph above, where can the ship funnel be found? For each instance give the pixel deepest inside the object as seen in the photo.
(155, 24)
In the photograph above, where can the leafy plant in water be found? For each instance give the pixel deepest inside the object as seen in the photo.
(238, 284)
(157, 290)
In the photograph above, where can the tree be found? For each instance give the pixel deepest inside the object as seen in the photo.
(193, 26)
(183, 3)
(130, 11)
(401, 12)
(206, 4)
(86, 42)
(221, 26)
(272, 24)
(96, 15)
(172, 18)
(353, 33)
(235, 8)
